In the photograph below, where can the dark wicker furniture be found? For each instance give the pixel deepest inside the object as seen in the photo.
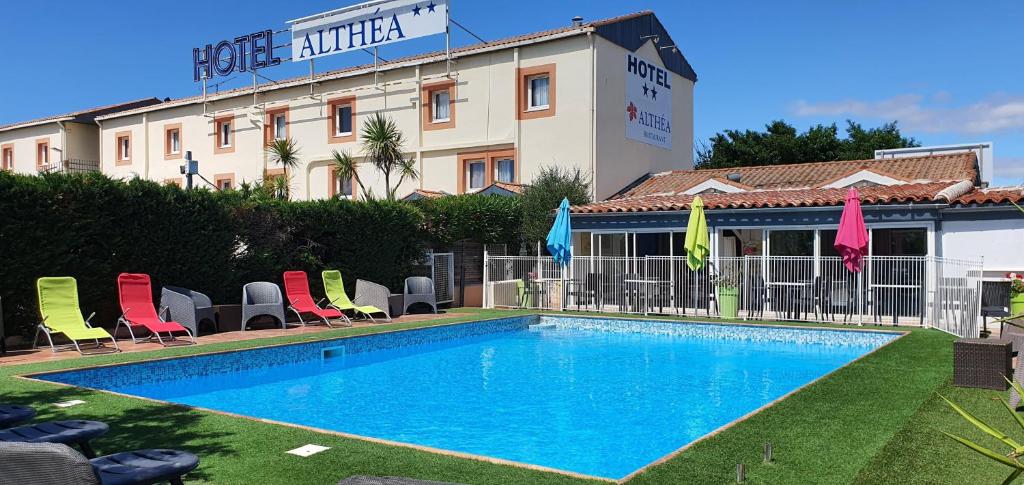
(983, 363)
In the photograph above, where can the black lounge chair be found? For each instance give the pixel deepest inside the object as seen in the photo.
(52, 463)
(73, 432)
(12, 414)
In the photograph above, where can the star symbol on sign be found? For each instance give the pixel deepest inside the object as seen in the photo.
(645, 90)
(631, 109)
(654, 93)
(431, 7)
(416, 10)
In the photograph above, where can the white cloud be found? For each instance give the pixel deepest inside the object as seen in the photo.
(1010, 168)
(916, 113)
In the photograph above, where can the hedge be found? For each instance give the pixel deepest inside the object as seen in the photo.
(480, 218)
(93, 228)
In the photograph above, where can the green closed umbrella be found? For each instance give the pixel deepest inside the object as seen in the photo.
(697, 245)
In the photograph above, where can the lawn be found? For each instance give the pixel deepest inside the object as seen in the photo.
(874, 421)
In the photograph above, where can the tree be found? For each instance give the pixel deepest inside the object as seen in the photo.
(545, 193)
(284, 152)
(345, 168)
(383, 145)
(781, 144)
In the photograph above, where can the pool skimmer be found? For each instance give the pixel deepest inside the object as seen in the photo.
(307, 450)
(67, 404)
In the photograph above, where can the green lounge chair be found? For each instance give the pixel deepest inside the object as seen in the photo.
(58, 307)
(334, 288)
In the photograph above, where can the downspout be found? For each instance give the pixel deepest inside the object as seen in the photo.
(63, 143)
(145, 145)
(99, 127)
(517, 128)
(593, 116)
(419, 120)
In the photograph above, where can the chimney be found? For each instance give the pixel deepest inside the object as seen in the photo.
(577, 21)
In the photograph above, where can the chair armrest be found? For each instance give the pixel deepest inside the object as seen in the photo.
(93, 314)
(201, 300)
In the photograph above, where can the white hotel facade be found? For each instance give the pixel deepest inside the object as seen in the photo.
(504, 110)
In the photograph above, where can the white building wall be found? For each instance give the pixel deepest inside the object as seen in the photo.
(998, 241)
(23, 141)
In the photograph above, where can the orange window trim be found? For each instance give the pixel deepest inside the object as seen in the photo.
(217, 122)
(118, 160)
(268, 127)
(168, 128)
(489, 158)
(7, 152)
(39, 157)
(220, 178)
(332, 188)
(522, 88)
(332, 120)
(173, 182)
(427, 97)
(272, 172)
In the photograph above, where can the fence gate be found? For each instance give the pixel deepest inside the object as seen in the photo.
(442, 272)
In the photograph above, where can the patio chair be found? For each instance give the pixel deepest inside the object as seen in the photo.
(136, 294)
(73, 432)
(419, 289)
(370, 294)
(995, 302)
(187, 307)
(11, 414)
(57, 464)
(584, 293)
(334, 288)
(58, 307)
(262, 298)
(300, 301)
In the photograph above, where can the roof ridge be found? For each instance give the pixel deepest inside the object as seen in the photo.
(800, 164)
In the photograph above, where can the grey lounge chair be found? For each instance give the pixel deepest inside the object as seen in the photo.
(11, 414)
(372, 294)
(57, 464)
(187, 307)
(72, 432)
(262, 298)
(419, 289)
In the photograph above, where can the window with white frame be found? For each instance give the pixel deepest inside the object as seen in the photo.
(475, 175)
(224, 134)
(505, 170)
(174, 141)
(343, 187)
(537, 87)
(44, 153)
(280, 126)
(224, 183)
(343, 120)
(124, 148)
(440, 108)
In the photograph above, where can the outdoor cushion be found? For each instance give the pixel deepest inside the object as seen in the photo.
(334, 287)
(11, 414)
(143, 466)
(58, 304)
(65, 432)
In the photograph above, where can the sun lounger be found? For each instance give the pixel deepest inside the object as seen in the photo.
(73, 432)
(52, 464)
(334, 287)
(300, 300)
(136, 295)
(11, 414)
(58, 307)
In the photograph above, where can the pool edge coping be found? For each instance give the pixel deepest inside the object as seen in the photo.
(33, 377)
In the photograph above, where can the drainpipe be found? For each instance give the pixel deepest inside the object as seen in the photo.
(145, 145)
(63, 142)
(419, 121)
(593, 116)
(517, 129)
(99, 127)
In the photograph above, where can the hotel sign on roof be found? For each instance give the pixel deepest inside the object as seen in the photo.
(367, 25)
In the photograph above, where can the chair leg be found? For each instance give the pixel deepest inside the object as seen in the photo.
(35, 341)
(87, 449)
(175, 481)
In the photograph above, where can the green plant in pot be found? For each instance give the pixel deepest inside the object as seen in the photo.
(1016, 293)
(727, 288)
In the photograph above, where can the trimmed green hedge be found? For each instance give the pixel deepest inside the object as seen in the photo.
(481, 218)
(92, 228)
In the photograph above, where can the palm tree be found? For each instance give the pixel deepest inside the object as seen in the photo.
(384, 145)
(345, 168)
(284, 152)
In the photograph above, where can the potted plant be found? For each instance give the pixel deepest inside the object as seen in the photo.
(727, 288)
(1016, 293)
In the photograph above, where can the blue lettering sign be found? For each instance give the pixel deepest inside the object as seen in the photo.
(244, 53)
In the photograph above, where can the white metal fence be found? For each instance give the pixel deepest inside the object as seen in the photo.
(891, 290)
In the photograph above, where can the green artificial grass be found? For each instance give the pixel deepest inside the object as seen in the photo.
(874, 421)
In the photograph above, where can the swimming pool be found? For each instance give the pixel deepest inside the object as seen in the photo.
(596, 396)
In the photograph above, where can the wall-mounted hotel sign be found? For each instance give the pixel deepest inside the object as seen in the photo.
(366, 26)
(648, 102)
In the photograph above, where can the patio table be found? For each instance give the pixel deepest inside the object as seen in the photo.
(638, 289)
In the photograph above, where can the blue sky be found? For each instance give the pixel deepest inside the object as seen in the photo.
(948, 71)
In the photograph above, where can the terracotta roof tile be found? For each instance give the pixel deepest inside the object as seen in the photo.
(994, 195)
(933, 168)
(514, 188)
(85, 115)
(895, 194)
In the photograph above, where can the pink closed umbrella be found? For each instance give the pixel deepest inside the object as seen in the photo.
(852, 237)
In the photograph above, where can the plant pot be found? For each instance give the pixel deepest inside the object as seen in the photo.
(728, 302)
(1017, 304)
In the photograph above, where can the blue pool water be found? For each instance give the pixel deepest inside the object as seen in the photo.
(595, 396)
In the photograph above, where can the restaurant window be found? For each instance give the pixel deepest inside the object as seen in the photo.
(899, 242)
(538, 92)
(791, 243)
(505, 170)
(611, 244)
(475, 173)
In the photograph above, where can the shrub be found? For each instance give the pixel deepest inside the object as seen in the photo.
(485, 219)
(543, 196)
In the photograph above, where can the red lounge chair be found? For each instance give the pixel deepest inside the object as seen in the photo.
(296, 288)
(136, 295)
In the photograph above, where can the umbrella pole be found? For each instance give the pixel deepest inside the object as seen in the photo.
(860, 298)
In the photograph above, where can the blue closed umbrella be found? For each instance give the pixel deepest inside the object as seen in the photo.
(560, 235)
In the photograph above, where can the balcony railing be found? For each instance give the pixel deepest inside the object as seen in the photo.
(891, 290)
(71, 166)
